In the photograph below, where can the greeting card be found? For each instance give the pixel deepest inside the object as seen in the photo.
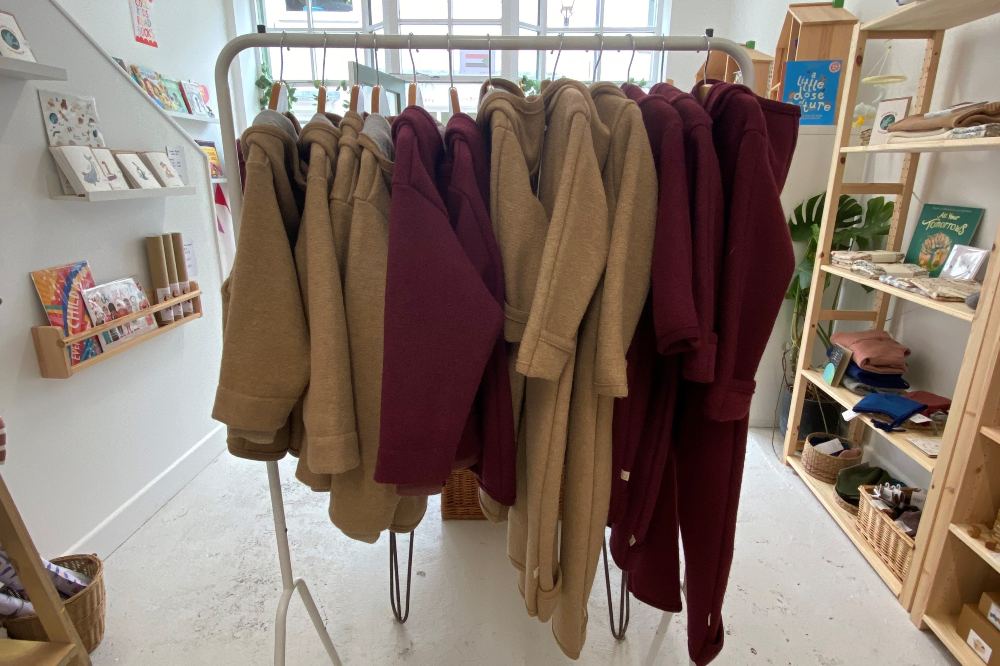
(81, 168)
(12, 41)
(165, 172)
(107, 302)
(109, 168)
(70, 120)
(138, 173)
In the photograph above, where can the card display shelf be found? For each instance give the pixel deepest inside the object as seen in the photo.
(826, 494)
(193, 118)
(939, 146)
(945, 627)
(13, 68)
(978, 546)
(127, 195)
(847, 399)
(951, 308)
(934, 15)
(52, 347)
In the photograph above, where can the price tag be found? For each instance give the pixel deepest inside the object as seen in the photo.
(920, 418)
(849, 414)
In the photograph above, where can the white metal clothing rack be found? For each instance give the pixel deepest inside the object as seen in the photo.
(321, 40)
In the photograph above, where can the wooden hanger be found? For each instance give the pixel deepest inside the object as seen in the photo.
(411, 90)
(377, 90)
(321, 95)
(356, 87)
(452, 91)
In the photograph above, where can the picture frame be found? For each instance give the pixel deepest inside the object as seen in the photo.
(12, 41)
(888, 112)
(138, 173)
(964, 262)
(165, 172)
(110, 169)
(81, 168)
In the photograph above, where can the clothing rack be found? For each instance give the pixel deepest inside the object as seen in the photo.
(320, 40)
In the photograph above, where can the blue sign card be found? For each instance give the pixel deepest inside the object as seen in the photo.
(812, 86)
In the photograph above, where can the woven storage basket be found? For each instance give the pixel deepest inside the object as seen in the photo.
(846, 506)
(85, 609)
(460, 497)
(822, 466)
(891, 543)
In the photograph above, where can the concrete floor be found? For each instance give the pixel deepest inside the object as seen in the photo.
(198, 584)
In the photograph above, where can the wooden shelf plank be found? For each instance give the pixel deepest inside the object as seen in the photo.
(945, 627)
(34, 653)
(848, 399)
(951, 308)
(187, 116)
(124, 195)
(128, 344)
(939, 146)
(12, 68)
(978, 546)
(934, 15)
(825, 493)
(993, 432)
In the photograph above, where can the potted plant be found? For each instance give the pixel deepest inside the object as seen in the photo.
(857, 227)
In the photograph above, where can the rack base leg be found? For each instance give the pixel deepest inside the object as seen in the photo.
(288, 584)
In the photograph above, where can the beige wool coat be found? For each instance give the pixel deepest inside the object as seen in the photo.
(574, 255)
(630, 187)
(360, 507)
(265, 356)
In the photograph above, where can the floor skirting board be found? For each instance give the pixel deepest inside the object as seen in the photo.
(134, 512)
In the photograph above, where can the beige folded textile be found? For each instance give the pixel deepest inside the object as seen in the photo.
(946, 289)
(958, 116)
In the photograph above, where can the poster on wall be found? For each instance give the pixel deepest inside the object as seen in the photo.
(812, 86)
(142, 21)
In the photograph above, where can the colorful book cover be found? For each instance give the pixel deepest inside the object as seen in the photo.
(174, 97)
(107, 302)
(812, 85)
(60, 290)
(939, 229)
(214, 163)
(150, 81)
(196, 96)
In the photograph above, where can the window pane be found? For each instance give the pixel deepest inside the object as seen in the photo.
(298, 64)
(528, 11)
(436, 96)
(629, 13)
(332, 14)
(336, 66)
(278, 15)
(614, 66)
(573, 64)
(476, 9)
(527, 61)
(424, 9)
(430, 62)
(376, 10)
(582, 13)
(471, 56)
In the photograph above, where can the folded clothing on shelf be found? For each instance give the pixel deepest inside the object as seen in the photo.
(945, 289)
(896, 408)
(860, 388)
(862, 474)
(934, 402)
(874, 351)
(848, 257)
(959, 115)
(873, 269)
(863, 382)
(972, 132)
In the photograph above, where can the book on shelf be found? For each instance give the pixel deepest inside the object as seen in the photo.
(60, 290)
(214, 161)
(939, 229)
(113, 300)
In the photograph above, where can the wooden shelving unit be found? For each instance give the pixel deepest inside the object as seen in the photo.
(129, 195)
(949, 567)
(811, 31)
(12, 68)
(52, 347)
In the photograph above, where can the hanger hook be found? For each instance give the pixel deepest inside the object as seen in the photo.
(413, 65)
(357, 71)
(378, 76)
(451, 75)
(628, 74)
(489, 59)
(326, 38)
(600, 54)
(555, 66)
(709, 33)
(281, 57)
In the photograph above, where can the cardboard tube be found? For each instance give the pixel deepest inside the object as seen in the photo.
(161, 279)
(177, 240)
(175, 286)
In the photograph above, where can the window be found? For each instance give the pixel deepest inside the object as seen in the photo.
(438, 17)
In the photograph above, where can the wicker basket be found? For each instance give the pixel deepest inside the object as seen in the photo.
(821, 465)
(893, 545)
(85, 609)
(846, 506)
(460, 497)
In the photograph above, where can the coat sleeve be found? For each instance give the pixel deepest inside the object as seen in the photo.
(576, 251)
(328, 411)
(265, 353)
(626, 279)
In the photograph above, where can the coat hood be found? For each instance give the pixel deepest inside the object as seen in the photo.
(462, 128)
(524, 115)
(428, 132)
(556, 91)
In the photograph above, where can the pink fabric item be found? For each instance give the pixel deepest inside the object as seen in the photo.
(874, 351)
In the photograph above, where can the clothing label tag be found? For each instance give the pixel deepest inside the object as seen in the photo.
(849, 414)
(920, 418)
(979, 646)
(624, 474)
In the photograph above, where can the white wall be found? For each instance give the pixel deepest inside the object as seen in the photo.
(967, 72)
(691, 17)
(92, 457)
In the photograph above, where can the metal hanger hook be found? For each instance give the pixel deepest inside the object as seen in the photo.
(326, 37)
(555, 66)
(451, 75)
(628, 73)
(709, 33)
(489, 60)
(281, 57)
(357, 70)
(413, 65)
(663, 58)
(378, 77)
(600, 54)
